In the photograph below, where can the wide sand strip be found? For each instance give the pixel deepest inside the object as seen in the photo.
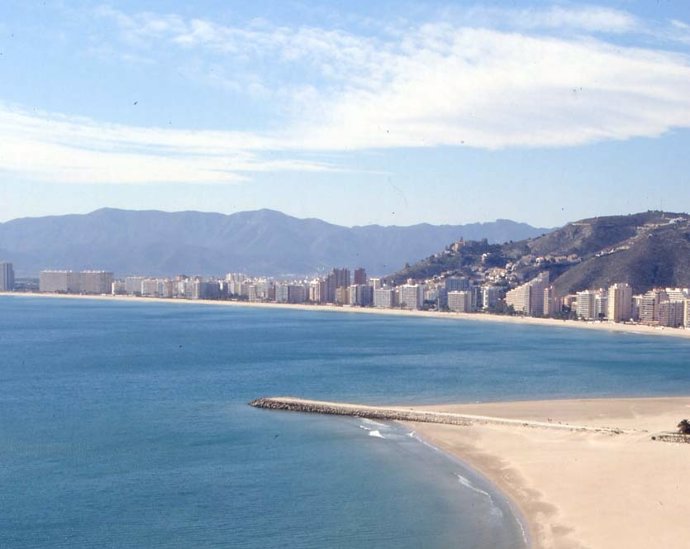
(582, 489)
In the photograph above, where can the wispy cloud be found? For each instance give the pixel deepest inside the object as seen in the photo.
(580, 18)
(441, 83)
(58, 148)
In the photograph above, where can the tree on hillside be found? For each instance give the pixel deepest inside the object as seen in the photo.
(684, 427)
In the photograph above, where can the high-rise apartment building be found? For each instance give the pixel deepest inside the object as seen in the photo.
(375, 283)
(671, 313)
(461, 301)
(360, 276)
(95, 282)
(411, 296)
(63, 282)
(385, 298)
(6, 276)
(338, 278)
(457, 283)
(490, 296)
(586, 305)
(649, 306)
(360, 295)
(528, 298)
(619, 303)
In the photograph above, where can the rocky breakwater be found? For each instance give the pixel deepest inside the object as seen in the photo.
(292, 404)
(355, 410)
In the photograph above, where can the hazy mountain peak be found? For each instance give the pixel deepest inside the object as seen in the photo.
(262, 241)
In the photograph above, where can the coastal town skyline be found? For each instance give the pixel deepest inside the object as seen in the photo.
(393, 113)
(499, 295)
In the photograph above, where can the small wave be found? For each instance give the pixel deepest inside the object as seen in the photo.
(364, 427)
(412, 434)
(376, 433)
(495, 510)
(467, 484)
(372, 422)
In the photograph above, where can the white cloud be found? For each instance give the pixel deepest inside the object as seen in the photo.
(587, 18)
(432, 84)
(42, 146)
(491, 89)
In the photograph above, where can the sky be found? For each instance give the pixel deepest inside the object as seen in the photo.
(355, 112)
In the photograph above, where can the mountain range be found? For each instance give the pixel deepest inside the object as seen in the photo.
(646, 250)
(262, 242)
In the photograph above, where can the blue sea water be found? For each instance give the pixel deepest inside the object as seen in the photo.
(126, 424)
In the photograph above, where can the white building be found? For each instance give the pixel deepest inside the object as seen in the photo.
(133, 285)
(375, 283)
(550, 301)
(528, 298)
(149, 287)
(64, 282)
(385, 298)
(490, 296)
(671, 313)
(461, 301)
(620, 303)
(411, 296)
(587, 308)
(95, 282)
(649, 306)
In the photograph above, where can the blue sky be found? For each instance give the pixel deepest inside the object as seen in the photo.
(354, 112)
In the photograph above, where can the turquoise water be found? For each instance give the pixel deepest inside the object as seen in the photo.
(126, 424)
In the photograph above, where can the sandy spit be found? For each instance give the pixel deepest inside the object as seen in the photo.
(590, 489)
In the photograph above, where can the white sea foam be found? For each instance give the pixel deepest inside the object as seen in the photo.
(372, 422)
(376, 433)
(495, 510)
(364, 427)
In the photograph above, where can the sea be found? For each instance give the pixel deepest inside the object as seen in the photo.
(126, 424)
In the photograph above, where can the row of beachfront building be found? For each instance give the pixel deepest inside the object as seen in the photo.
(657, 307)
(663, 307)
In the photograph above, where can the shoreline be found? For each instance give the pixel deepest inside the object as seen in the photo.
(577, 490)
(634, 329)
(578, 473)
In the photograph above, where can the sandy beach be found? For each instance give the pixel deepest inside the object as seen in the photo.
(586, 489)
(480, 317)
